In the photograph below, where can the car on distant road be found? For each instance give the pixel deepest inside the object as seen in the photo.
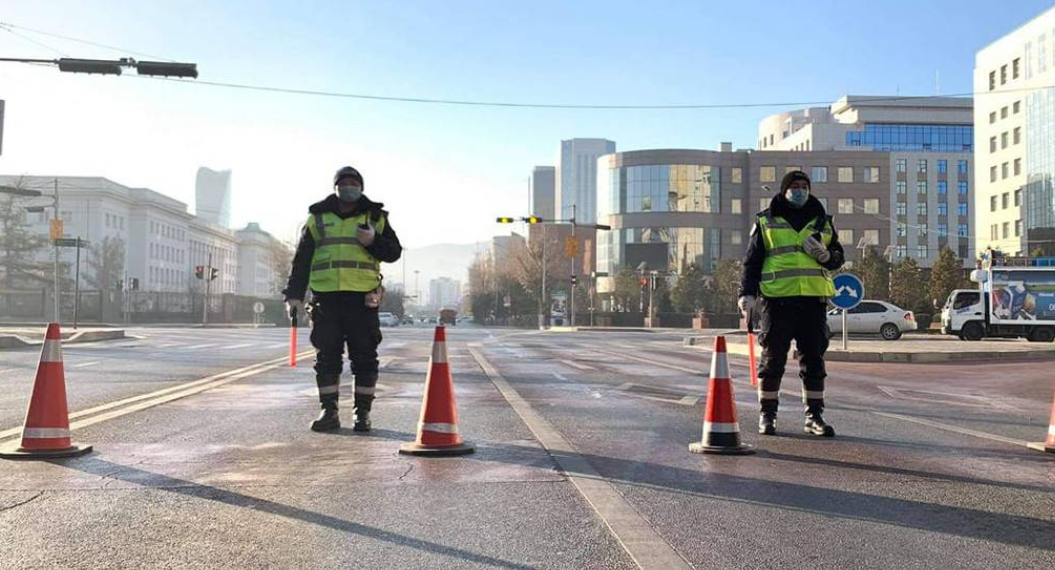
(388, 319)
(407, 320)
(873, 317)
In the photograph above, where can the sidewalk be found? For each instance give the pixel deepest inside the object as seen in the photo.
(910, 348)
(19, 337)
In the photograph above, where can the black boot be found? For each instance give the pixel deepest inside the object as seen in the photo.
(362, 420)
(328, 420)
(815, 425)
(767, 424)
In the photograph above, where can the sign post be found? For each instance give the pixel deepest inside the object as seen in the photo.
(848, 294)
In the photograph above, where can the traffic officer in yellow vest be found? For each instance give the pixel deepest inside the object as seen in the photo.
(341, 247)
(787, 282)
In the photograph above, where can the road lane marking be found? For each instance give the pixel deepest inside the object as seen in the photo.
(197, 346)
(84, 364)
(136, 403)
(973, 401)
(234, 346)
(574, 364)
(632, 530)
(954, 429)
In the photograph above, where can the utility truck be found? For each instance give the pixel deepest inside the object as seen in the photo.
(1010, 302)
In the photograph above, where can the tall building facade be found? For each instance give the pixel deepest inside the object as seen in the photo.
(929, 146)
(673, 208)
(576, 178)
(444, 292)
(543, 192)
(1015, 139)
(258, 274)
(212, 196)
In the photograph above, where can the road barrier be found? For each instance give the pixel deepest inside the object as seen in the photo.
(721, 430)
(46, 431)
(438, 429)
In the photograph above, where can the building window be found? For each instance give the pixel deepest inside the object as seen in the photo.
(738, 175)
(1018, 135)
(901, 251)
(819, 173)
(943, 231)
(1005, 230)
(902, 209)
(961, 209)
(902, 187)
(846, 236)
(921, 166)
(921, 187)
(1016, 106)
(1014, 68)
(992, 144)
(921, 251)
(737, 206)
(871, 174)
(992, 203)
(788, 169)
(943, 166)
(1003, 139)
(992, 173)
(1018, 198)
(1042, 53)
(1018, 228)
(921, 209)
(846, 174)
(871, 237)
(1004, 171)
(961, 230)
(846, 205)
(962, 250)
(921, 232)
(767, 174)
(763, 204)
(901, 165)
(992, 80)
(1003, 112)
(961, 166)
(1003, 74)
(871, 205)
(943, 209)
(992, 117)
(1005, 200)
(943, 187)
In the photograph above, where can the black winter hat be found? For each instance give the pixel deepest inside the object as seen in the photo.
(345, 172)
(793, 176)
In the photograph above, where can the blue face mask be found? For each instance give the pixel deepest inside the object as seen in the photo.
(349, 193)
(797, 197)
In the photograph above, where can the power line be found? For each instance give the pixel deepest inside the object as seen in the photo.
(81, 41)
(7, 29)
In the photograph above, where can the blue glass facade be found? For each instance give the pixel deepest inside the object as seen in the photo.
(1039, 207)
(914, 138)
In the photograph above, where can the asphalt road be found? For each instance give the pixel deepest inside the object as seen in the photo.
(582, 462)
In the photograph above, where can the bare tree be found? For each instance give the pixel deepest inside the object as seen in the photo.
(20, 265)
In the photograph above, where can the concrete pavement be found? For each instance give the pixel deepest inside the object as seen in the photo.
(929, 469)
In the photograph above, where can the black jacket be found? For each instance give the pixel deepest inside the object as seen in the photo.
(385, 248)
(798, 218)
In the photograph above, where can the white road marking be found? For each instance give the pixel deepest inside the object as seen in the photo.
(198, 346)
(560, 376)
(574, 364)
(246, 345)
(954, 429)
(972, 401)
(84, 364)
(169, 345)
(633, 531)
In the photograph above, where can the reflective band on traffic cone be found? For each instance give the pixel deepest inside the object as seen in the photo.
(1048, 444)
(438, 428)
(721, 431)
(46, 431)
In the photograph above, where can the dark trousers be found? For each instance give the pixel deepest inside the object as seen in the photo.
(804, 320)
(342, 320)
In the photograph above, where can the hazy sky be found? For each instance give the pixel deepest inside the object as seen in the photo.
(445, 172)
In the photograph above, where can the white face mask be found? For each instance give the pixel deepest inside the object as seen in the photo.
(349, 193)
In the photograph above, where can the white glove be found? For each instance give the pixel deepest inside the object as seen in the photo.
(294, 306)
(365, 237)
(747, 304)
(817, 249)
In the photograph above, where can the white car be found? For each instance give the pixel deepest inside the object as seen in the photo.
(873, 317)
(388, 319)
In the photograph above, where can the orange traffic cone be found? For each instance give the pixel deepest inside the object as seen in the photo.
(1048, 444)
(438, 428)
(721, 431)
(46, 432)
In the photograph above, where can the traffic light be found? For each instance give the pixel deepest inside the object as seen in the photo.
(120, 285)
(574, 280)
(214, 274)
(644, 282)
(533, 220)
(134, 285)
(504, 220)
(199, 271)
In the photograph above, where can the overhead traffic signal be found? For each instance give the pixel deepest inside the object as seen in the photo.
(214, 274)
(533, 220)
(505, 220)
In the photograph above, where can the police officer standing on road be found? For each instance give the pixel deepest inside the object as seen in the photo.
(338, 257)
(793, 248)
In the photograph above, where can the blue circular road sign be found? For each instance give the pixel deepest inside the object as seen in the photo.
(848, 291)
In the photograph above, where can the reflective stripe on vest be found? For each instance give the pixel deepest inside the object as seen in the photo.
(788, 271)
(340, 262)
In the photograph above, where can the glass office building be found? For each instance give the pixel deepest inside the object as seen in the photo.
(913, 138)
(1039, 206)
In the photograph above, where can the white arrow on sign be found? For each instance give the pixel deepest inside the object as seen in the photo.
(846, 290)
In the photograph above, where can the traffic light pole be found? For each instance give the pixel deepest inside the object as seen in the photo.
(208, 282)
(572, 283)
(58, 292)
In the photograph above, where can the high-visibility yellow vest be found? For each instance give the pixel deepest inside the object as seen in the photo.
(340, 262)
(788, 270)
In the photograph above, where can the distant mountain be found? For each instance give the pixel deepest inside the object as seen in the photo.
(432, 261)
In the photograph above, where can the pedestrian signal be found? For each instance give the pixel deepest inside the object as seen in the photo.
(199, 271)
